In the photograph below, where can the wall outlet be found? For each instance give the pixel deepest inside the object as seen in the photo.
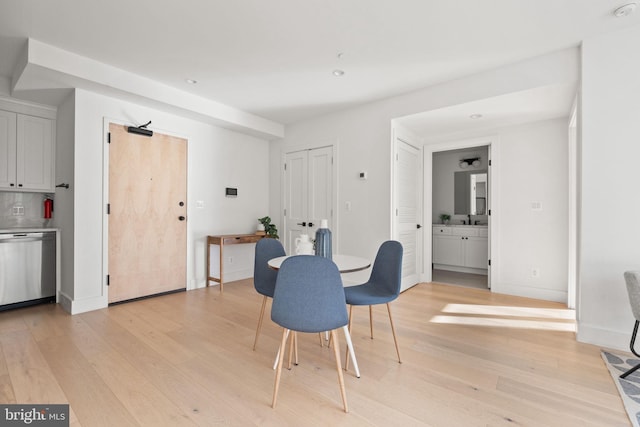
(17, 210)
(535, 272)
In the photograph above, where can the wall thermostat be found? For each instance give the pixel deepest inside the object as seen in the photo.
(231, 192)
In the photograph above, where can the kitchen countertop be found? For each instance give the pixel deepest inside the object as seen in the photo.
(461, 225)
(16, 230)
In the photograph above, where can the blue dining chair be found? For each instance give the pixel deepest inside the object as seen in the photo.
(309, 297)
(264, 277)
(382, 288)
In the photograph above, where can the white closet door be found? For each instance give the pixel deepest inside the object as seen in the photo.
(308, 178)
(407, 210)
(320, 187)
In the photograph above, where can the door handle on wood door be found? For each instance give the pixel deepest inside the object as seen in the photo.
(181, 218)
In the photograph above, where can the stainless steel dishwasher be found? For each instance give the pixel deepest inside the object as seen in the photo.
(27, 269)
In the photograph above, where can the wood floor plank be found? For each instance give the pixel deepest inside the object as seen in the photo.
(190, 397)
(6, 388)
(470, 358)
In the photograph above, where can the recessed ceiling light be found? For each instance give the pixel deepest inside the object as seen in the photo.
(475, 116)
(191, 81)
(625, 10)
(338, 73)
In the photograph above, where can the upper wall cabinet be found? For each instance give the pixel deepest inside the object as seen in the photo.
(26, 153)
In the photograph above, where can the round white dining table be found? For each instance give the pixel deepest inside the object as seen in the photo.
(345, 263)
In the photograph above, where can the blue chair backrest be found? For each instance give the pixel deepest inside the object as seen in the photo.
(386, 274)
(264, 278)
(309, 295)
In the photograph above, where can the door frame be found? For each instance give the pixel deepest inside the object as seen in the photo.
(334, 144)
(493, 142)
(106, 121)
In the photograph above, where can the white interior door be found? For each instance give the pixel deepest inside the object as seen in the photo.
(296, 197)
(308, 178)
(407, 211)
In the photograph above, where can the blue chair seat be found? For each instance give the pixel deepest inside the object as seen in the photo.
(367, 295)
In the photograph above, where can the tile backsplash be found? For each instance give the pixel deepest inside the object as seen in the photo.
(22, 210)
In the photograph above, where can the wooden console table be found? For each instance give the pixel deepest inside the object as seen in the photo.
(222, 241)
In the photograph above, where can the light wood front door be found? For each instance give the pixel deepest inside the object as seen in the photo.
(147, 219)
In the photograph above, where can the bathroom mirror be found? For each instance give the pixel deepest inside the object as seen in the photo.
(470, 192)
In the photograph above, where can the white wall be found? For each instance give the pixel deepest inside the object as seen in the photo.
(533, 169)
(217, 158)
(364, 142)
(529, 165)
(610, 232)
(63, 215)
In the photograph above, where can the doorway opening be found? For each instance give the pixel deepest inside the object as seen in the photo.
(460, 217)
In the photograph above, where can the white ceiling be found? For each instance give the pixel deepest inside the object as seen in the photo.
(275, 58)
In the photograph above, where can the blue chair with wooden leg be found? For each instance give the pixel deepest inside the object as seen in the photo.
(309, 297)
(264, 278)
(632, 278)
(382, 288)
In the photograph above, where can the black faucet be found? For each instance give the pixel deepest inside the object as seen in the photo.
(469, 219)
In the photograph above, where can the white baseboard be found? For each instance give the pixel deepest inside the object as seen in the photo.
(604, 337)
(530, 292)
(229, 276)
(81, 306)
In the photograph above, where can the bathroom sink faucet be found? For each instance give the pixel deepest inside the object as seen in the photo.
(469, 216)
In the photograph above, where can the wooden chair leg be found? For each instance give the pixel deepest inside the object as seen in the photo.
(336, 351)
(393, 331)
(283, 345)
(371, 321)
(320, 336)
(292, 343)
(264, 303)
(346, 357)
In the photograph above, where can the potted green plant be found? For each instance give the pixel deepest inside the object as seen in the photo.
(270, 229)
(445, 218)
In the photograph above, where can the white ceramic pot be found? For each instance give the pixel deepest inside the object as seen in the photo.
(304, 245)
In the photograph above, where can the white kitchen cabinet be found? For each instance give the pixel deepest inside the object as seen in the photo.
(27, 152)
(7, 148)
(460, 249)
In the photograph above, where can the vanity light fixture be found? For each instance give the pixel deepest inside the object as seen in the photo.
(465, 163)
(625, 10)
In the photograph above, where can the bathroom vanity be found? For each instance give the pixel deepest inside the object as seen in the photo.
(463, 248)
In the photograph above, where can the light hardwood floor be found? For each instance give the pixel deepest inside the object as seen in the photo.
(186, 359)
